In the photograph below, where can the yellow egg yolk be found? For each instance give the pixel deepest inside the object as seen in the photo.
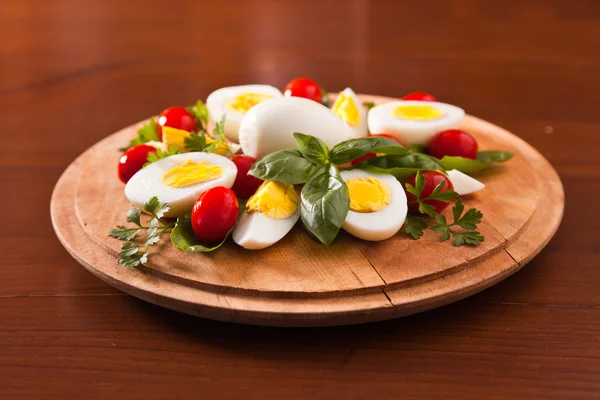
(417, 112)
(368, 195)
(191, 173)
(346, 109)
(274, 199)
(245, 101)
(174, 138)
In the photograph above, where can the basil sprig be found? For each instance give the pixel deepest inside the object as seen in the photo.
(325, 203)
(469, 166)
(324, 199)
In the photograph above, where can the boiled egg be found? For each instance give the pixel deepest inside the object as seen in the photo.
(234, 102)
(462, 183)
(351, 111)
(378, 205)
(414, 122)
(269, 215)
(180, 179)
(269, 126)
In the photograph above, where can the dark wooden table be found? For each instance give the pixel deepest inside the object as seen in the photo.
(75, 71)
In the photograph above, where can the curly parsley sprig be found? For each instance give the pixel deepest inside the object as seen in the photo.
(416, 225)
(133, 253)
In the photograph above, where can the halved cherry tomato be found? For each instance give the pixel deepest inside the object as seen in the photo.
(304, 87)
(133, 160)
(371, 155)
(432, 179)
(420, 96)
(178, 118)
(245, 185)
(214, 214)
(453, 142)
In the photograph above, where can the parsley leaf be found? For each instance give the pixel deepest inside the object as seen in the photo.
(369, 104)
(195, 142)
(145, 134)
(200, 113)
(133, 254)
(160, 154)
(468, 222)
(415, 226)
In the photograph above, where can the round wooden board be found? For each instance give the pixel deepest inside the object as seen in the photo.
(299, 282)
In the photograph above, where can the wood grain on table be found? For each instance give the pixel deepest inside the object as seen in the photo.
(72, 72)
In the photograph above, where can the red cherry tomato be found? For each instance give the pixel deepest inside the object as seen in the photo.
(432, 179)
(133, 160)
(420, 96)
(214, 214)
(304, 87)
(245, 185)
(178, 118)
(371, 155)
(453, 142)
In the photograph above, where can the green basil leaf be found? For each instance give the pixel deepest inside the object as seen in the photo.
(352, 149)
(469, 166)
(184, 238)
(285, 166)
(313, 149)
(494, 156)
(401, 166)
(466, 165)
(325, 203)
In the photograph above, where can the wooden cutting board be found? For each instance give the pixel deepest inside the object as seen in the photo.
(299, 282)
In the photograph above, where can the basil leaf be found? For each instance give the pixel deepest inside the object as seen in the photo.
(402, 167)
(494, 156)
(285, 166)
(325, 203)
(184, 238)
(313, 149)
(352, 149)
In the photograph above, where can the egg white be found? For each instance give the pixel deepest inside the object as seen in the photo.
(269, 125)
(462, 183)
(381, 120)
(256, 231)
(382, 224)
(147, 182)
(354, 132)
(216, 103)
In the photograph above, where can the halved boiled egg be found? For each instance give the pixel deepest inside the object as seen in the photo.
(180, 179)
(378, 205)
(270, 214)
(270, 125)
(351, 111)
(234, 102)
(414, 122)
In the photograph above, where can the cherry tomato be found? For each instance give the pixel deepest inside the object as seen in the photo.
(245, 185)
(178, 118)
(133, 160)
(420, 96)
(371, 155)
(214, 214)
(304, 87)
(453, 142)
(432, 179)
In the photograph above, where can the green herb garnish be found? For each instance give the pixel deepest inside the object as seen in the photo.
(415, 225)
(469, 166)
(200, 113)
(133, 253)
(159, 155)
(145, 134)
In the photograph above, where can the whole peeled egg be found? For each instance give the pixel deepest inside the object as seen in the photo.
(414, 122)
(269, 126)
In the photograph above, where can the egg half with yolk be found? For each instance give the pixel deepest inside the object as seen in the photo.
(378, 205)
(180, 179)
(414, 122)
(351, 111)
(234, 102)
(269, 215)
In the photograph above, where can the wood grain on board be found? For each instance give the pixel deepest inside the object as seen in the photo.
(281, 284)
